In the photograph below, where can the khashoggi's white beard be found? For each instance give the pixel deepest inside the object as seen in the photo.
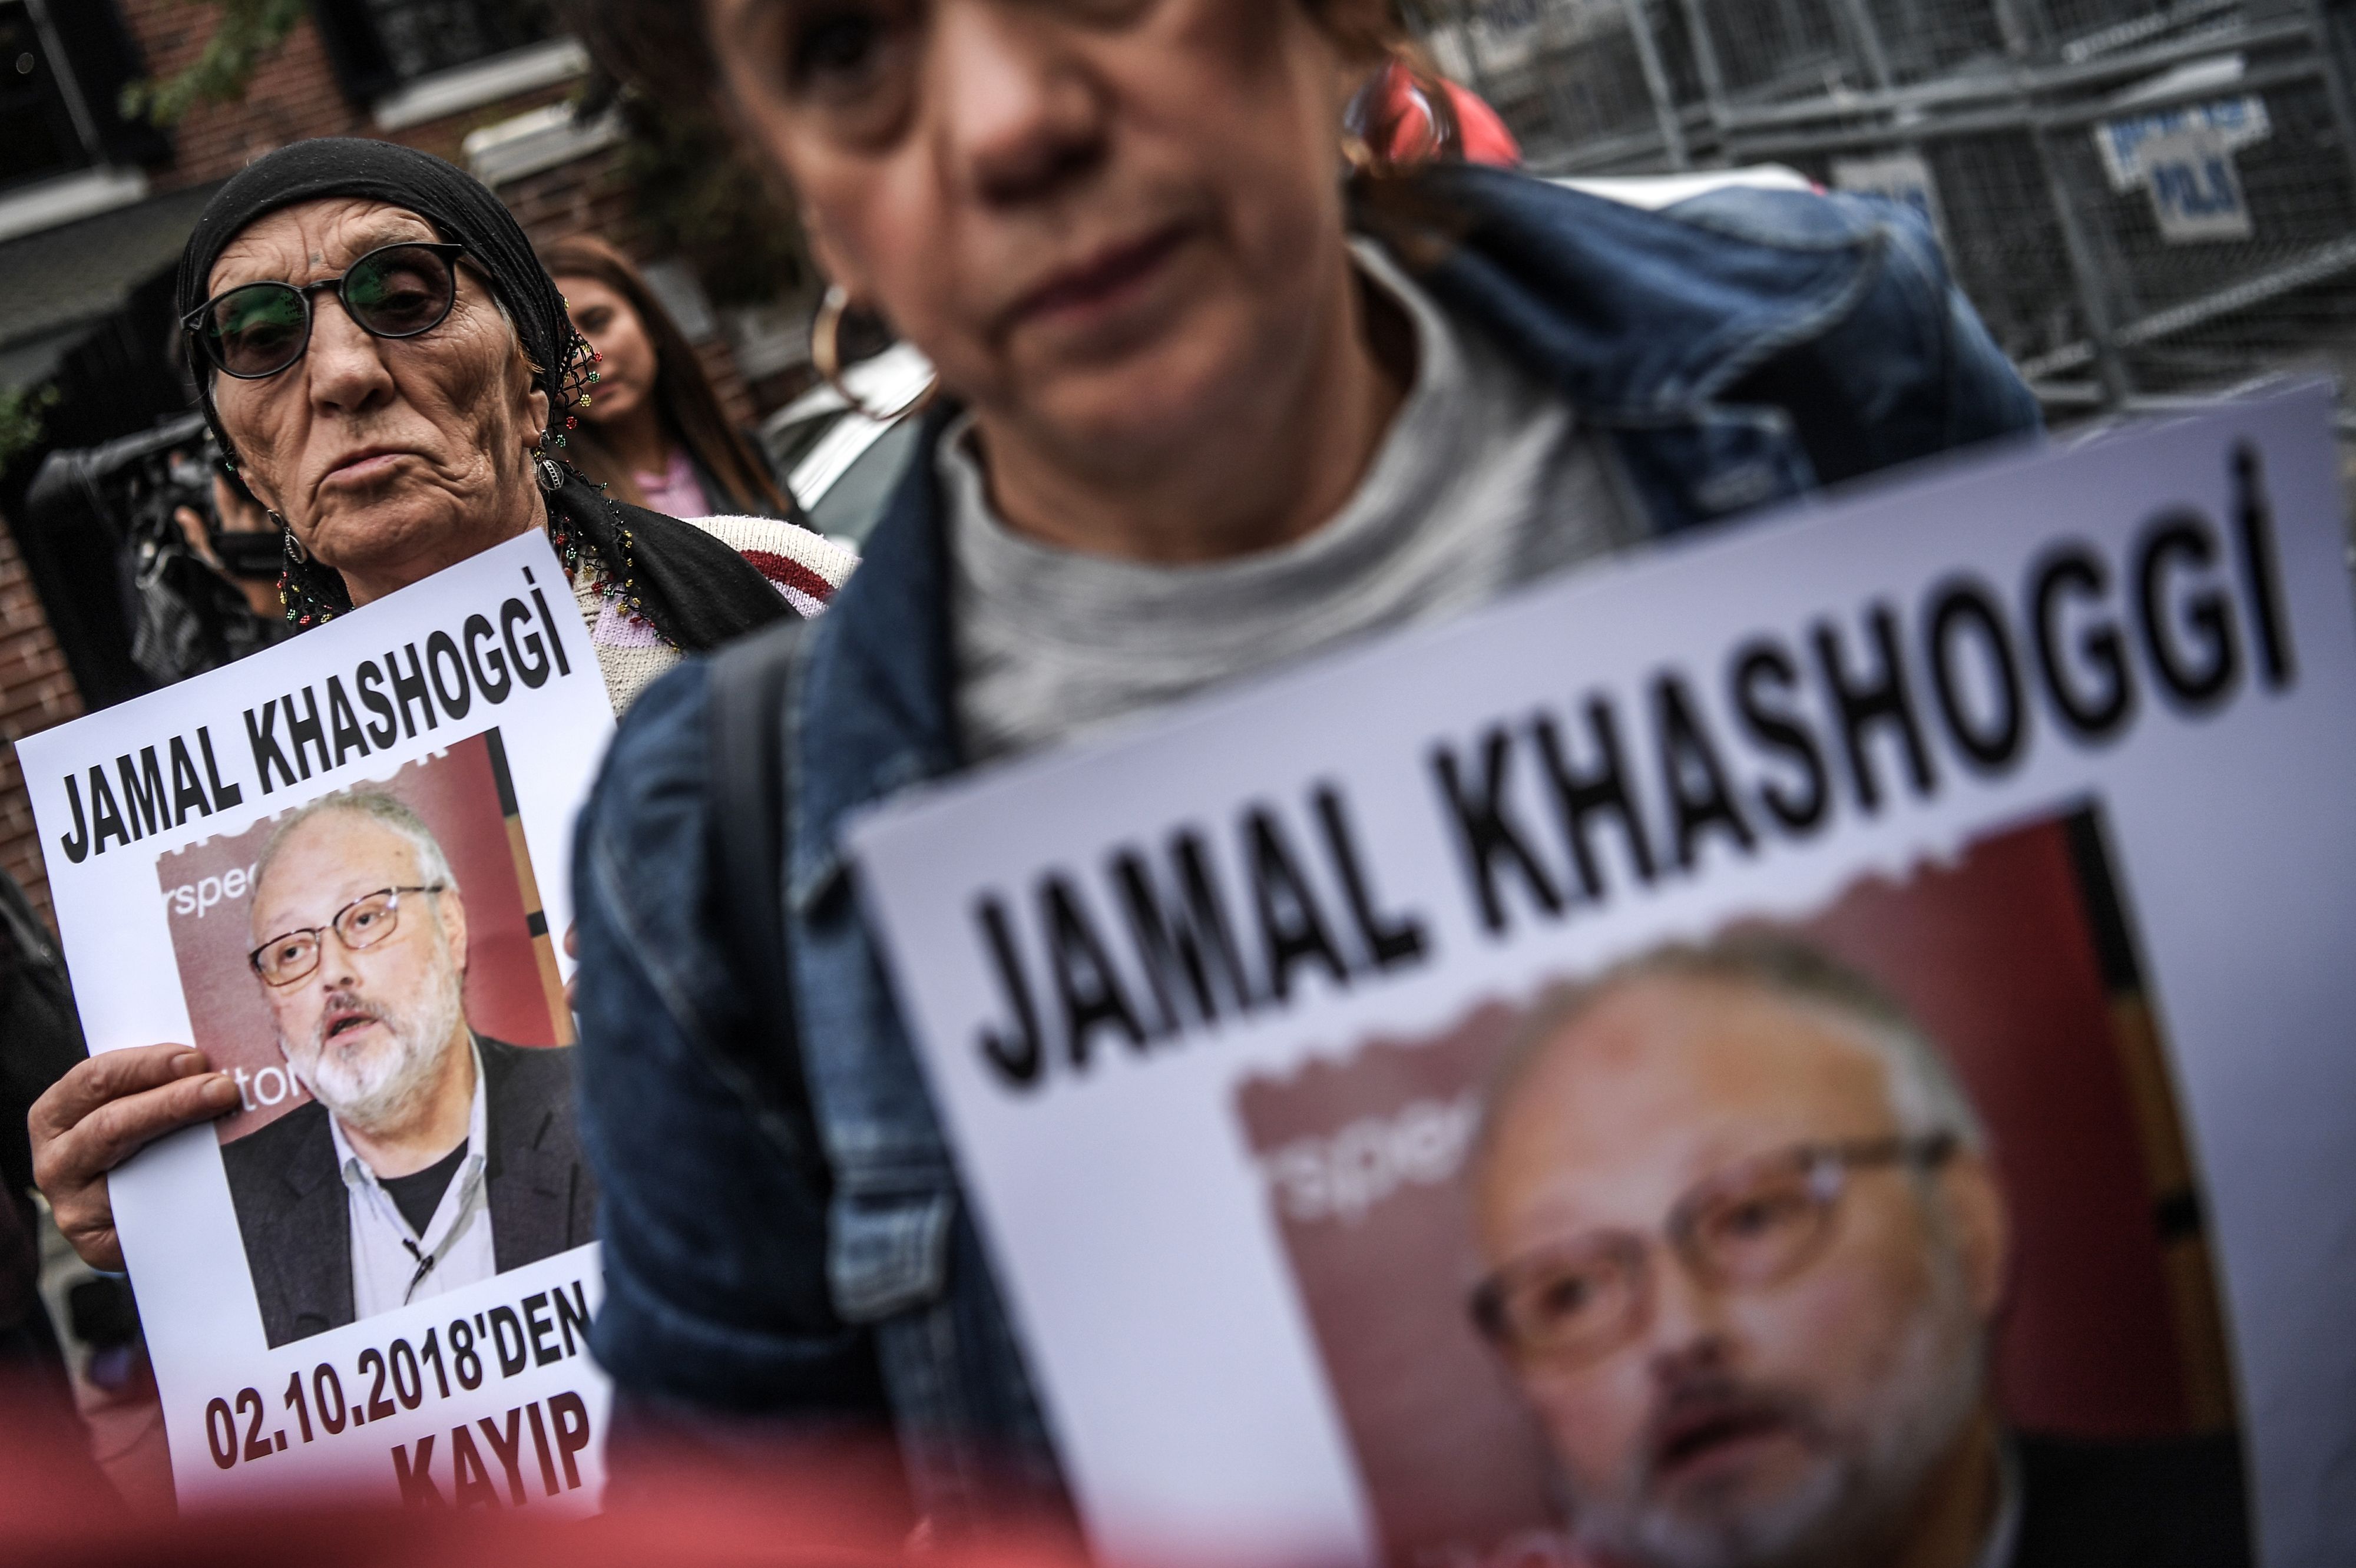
(383, 1090)
(1870, 1470)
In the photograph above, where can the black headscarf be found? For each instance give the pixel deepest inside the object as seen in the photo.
(696, 591)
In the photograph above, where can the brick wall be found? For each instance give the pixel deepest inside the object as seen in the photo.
(294, 94)
(36, 692)
(584, 197)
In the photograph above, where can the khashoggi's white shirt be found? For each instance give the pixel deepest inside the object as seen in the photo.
(388, 1258)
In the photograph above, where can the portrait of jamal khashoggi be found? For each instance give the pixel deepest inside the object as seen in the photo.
(1747, 1248)
(429, 1156)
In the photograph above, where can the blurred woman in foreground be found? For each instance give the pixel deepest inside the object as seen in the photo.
(1218, 392)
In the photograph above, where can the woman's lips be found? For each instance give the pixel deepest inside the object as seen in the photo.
(1103, 283)
(367, 468)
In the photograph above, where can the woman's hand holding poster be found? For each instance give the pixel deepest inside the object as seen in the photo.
(1825, 1040)
(339, 869)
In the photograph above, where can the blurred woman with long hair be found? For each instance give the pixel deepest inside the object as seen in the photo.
(655, 434)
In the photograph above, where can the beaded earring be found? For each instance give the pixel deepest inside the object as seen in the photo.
(596, 546)
(313, 593)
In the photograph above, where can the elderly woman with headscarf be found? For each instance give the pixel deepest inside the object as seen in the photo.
(392, 373)
(426, 418)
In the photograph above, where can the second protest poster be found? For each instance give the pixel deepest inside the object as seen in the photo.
(1706, 1058)
(339, 869)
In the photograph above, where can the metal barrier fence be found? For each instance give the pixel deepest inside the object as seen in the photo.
(2144, 197)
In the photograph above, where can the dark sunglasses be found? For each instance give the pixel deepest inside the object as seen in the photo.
(258, 329)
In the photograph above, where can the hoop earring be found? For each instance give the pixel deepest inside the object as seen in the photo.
(295, 551)
(826, 357)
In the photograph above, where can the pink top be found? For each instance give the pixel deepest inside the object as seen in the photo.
(676, 492)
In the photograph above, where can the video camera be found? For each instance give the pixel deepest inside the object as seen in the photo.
(186, 616)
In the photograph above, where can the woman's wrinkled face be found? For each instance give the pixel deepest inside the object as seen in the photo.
(626, 371)
(389, 457)
(1107, 221)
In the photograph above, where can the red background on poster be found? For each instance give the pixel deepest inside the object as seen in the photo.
(1995, 955)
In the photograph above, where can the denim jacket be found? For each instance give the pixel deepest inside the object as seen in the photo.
(1739, 349)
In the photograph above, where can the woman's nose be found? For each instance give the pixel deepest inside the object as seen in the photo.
(1019, 113)
(344, 363)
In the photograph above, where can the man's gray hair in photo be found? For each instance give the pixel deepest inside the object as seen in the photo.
(1924, 1092)
(432, 865)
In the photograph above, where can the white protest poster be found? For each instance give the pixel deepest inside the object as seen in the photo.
(391, 795)
(1678, 1057)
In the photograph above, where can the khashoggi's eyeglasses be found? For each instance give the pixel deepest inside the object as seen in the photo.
(258, 329)
(1753, 1225)
(365, 921)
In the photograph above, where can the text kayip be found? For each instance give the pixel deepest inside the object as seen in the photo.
(452, 1362)
(319, 727)
(1556, 811)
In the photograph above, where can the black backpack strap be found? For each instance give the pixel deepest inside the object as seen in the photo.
(751, 742)
(752, 782)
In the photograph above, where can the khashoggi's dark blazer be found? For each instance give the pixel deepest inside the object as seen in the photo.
(296, 1218)
(2176, 1503)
